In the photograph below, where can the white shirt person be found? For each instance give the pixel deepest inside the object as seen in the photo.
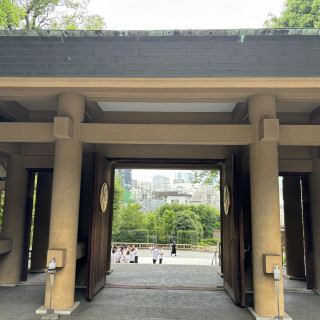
(155, 253)
(160, 255)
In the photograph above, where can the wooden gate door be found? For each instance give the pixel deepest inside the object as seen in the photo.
(308, 243)
(98, 228)
(232, 233)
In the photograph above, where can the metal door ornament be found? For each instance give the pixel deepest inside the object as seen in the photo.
(226, 200)
(104, 197)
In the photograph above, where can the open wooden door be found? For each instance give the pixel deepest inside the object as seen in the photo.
(27, 226)
(232, 233)
(98, 228)
(308, 243)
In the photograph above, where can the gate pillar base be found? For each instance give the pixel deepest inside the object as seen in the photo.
(259, 317)
(65, 312)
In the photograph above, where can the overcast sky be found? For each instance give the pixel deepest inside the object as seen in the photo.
(147, 174)
(184, 14)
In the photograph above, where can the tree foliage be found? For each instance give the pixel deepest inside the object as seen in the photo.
(171, 218)
(48, 14)
(297, 14)
(206, 177)
(131, 217)
(117, 202)
(10, 14)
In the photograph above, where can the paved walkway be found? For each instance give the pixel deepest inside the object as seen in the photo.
(183, 257)
(20, 303)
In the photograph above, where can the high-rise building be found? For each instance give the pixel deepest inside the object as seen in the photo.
(126, 175)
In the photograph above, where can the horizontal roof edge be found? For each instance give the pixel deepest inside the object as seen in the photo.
(159, 33)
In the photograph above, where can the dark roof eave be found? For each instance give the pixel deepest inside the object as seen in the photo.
(241, 33)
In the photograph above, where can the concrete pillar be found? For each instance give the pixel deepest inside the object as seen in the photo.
(65, 203)
(13, 219)
(315, 216)
(41, 222)
(265, 212)
(293, 226)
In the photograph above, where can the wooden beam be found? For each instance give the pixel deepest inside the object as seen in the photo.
(240, 113)
(93, 112)
(10, 148)
(26, 132)
(300, 166)
(315, 115)
(162, 151)
(161, 89)
(37, 162)
(12, 110)
(299, 135)
(166, 134)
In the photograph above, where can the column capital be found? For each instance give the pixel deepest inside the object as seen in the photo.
(261, 107)
(71, 105)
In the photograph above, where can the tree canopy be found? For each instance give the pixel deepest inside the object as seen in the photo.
(297, 14)
(206, 177)
(48, 14)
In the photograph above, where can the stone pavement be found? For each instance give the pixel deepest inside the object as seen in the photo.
(183, 257)
(20, 303)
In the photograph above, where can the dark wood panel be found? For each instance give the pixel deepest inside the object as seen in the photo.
(98, 231)
(27, 226)
(308, 243)
(111, 175)
(232, 264)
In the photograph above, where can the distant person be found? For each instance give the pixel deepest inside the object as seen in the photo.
(123, 256)
(131, 254)
(160, 255)
(127, 257)
(136, 254)
(113, 255)
(155, 253)
(174, 249)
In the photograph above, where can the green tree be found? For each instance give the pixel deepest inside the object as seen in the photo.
(184, 220)
(207, 177)
(297, 14)
(50, 14)
(167, 220)
(117, 202)
(10, 14)
(209, 218)
(131, 217)
(151, 222)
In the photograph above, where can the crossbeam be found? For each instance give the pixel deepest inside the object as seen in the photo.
(166, 134)
(26, 132)
(161, 134)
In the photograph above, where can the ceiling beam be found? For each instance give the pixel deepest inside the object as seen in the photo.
(12, 110)
(10, 148)
(26, 132)
(161, 89)
(240, 113)
(166, 134)
(93, 112)
(299, 135)
(315, 115)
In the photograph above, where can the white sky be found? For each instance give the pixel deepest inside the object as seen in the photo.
(147, 174)
(184, 14)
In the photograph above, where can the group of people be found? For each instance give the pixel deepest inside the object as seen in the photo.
(124, 254)
(127, 254)
(157, 252)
